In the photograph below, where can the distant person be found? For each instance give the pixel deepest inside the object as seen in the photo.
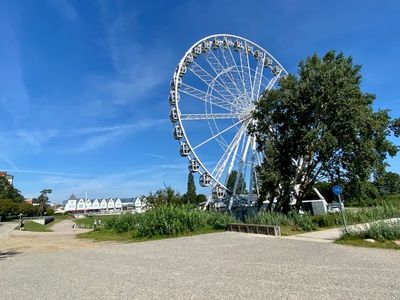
(73, 227)
(21, 226)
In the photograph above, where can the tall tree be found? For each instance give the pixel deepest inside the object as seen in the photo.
(43, 199)
(166, 196)
(388, 183)
(319, 125)
(241, 184)
(191, 190)
(8, 191)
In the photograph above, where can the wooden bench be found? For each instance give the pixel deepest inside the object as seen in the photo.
(255, 228)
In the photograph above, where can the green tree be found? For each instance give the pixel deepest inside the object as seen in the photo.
(8, 191)
(320, 126)
(241, 184)
(388, 183)
(166, 196)
(8, 207)
(43, 199)
(200, 198)
(190, 196)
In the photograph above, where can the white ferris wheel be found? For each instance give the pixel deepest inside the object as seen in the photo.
(213, 94)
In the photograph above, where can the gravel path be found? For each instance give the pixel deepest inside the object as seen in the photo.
(62, 237)
(7, 227)
(214, 266)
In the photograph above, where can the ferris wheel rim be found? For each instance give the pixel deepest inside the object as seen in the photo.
(193, 155)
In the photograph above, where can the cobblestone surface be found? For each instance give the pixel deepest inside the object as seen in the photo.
(214, 266)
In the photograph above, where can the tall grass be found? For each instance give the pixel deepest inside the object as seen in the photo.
(381, 231)
(168, 220)
(308, 223)
(299, 221)
(367, 214)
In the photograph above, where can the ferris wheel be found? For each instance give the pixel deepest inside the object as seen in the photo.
(213, 93)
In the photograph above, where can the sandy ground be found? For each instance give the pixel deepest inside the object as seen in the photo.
(62, 238)
(226, 265)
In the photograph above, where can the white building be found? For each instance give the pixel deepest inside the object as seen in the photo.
(81, 205)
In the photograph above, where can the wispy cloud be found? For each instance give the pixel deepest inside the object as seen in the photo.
(14, 97)
(8, 161)
(36, 138)
(44, 172)
(95, 137)
(154, 155)
(137, 69)
(66, 9)
(128, 183)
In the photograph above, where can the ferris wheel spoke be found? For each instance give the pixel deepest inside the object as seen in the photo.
(213, 83)
(257, 79)
(219, 133)
(230, 62)
(215, 116)
(211, 99)
(243, 162)
(272, 82)
(238, 74)
(245, 66)
(220, 167)
(222, 73)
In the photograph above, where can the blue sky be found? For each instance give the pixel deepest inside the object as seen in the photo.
(84, 84)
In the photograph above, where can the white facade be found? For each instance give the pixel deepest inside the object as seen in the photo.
(110, 204)
(74, 205)
(118, 203)
(96, 204)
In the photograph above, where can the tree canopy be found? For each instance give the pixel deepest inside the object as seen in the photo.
(190, 196)
(8, 191)
(320, 126)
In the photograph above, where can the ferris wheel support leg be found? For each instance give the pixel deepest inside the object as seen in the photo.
(250, 195)
(208, 202)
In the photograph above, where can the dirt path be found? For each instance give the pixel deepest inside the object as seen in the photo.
(63, 237)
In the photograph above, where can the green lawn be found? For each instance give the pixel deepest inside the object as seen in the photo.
(110, 235)
(33, 226)
(362, 243)
(87, 222)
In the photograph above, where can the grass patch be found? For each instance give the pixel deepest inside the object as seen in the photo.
(362, 243)
(106, 235)
(33, 226)
(88, 221)
(287, 230)
(129, 236)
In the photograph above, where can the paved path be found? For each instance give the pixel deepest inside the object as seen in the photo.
(321, 236)
(224, 265)
(7, 227)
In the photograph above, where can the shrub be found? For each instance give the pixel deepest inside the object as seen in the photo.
(380, 231)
